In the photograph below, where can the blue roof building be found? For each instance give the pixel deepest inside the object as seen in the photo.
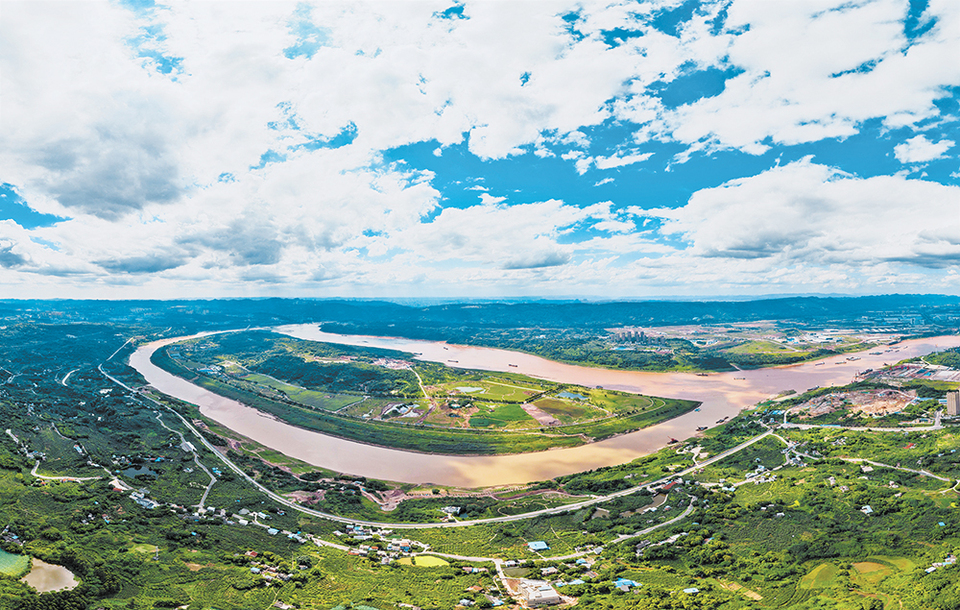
(538, 545)
(625, 582)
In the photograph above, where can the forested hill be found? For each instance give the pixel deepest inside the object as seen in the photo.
(382, 317)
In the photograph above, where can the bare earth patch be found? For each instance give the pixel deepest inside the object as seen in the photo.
(543, 418)
(738, 588)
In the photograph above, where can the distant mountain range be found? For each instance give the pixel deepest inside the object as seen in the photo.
(372, 316)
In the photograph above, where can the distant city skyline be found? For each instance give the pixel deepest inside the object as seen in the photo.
(479, 149)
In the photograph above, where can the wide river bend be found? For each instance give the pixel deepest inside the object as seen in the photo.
(722, 395)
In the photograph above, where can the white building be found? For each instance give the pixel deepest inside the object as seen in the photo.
(538, 593)
(953, 403)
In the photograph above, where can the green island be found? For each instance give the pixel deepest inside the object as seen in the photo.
(842, 497)
(387, 398)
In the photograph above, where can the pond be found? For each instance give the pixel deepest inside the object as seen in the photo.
(134, 471)
(46, 577)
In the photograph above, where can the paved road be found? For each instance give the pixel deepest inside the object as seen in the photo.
(196, 459)
(937, 425)
(63, 381)
(60, 478)
(925, 473)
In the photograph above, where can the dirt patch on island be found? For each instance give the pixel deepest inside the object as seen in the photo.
(543, 418)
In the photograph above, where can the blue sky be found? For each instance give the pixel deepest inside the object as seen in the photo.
(598, 149)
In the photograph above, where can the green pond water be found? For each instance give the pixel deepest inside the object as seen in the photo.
(13, 565)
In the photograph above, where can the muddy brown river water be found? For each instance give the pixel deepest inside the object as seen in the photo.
(722, 395)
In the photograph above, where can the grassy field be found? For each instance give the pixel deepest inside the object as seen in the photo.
(501, 416)
(824, 575)
(567, 411)
(423, 561)
(310, 398)
(763, 347)
(488, 388)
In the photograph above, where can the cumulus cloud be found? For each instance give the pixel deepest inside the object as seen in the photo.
(808, 213)
(196, 145)
(619, 161)
(791, 91)
(919, 149)
(153, 263)
(8, 257)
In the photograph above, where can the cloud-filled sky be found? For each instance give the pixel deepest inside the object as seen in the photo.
(479, 148)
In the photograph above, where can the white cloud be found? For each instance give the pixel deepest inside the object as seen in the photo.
(919, 149)
(487, 199)
(619, 161)
(95, 133)
(805, 213)
(815, 70)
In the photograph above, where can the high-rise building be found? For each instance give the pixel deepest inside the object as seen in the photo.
(953, 403)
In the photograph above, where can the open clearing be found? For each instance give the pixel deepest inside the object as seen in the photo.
(738, 588)
(872, 572)
(423, 561)
(824, 575)
(312, 398)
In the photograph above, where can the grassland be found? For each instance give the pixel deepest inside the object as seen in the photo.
(310, 398)
(502, 416)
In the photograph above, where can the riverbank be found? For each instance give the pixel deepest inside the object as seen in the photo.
(722, 395)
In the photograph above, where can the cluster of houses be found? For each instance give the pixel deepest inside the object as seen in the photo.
(641, 546)
(267, 571)
(543, 591)
(949, 561)
(140, 497)
(7, 535)
(389, 548)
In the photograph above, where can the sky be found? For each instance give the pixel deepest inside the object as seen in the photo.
(518, 148)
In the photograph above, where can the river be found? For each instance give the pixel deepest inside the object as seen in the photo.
(722, 395)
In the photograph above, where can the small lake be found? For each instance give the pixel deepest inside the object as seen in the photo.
(12, 564)
(46, 577)
(132, 472)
